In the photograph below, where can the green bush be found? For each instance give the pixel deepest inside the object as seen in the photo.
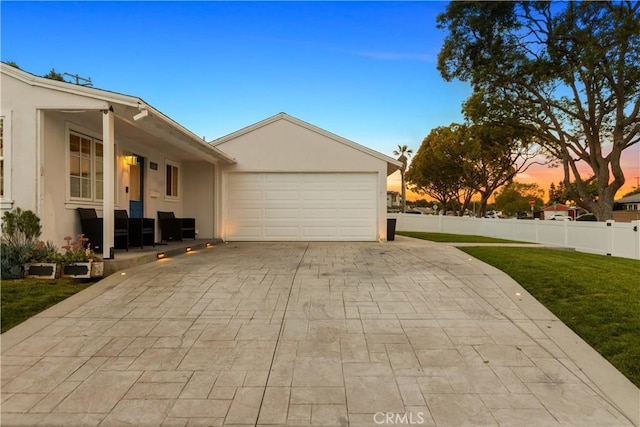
(20, 227)
(20, 231)
(13, 258)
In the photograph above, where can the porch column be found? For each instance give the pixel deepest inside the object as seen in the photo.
(108, 141)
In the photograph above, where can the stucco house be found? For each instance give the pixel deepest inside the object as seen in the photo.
(66, 146)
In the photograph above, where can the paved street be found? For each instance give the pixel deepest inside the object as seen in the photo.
(337, 334)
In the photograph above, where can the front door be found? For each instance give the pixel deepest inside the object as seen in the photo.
(136, 189)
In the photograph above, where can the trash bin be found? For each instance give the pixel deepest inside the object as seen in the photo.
(391, 229)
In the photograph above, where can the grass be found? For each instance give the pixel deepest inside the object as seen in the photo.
(452, 238)
(24, 298)
(598, 297)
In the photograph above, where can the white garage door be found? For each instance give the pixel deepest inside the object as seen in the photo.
(301, 206)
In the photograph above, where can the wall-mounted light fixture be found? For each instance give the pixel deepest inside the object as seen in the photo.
(130, 159)
(189, 249)
(209, 245)
(160, 255)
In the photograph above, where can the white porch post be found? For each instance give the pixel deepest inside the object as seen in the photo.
(108, 140)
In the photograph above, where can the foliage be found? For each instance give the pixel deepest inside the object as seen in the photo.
(456, 161)
(77, 251)
(437, 168)
(596, 296)
(13, 64)
(514, 198)
(404, 153)
(20, 227)
(22, 299)
(42, 252)
(54, 75)
(562, 194)
(568, 72)
(13, 259)
(495, 154)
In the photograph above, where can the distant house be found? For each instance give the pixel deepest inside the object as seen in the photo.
(630, 203)
(629, 209)
(559, 209)
(64, 146)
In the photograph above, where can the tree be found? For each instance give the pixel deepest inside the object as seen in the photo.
(514, 198)
(437, 168)
(567, 71)
(13, 64)
(494, 155)
(54, 75)
(404, 152)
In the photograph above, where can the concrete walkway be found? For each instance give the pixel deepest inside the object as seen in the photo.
(338, 334)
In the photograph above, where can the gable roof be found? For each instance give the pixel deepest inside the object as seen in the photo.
(392, 164)
(131, 103)
(634, 198)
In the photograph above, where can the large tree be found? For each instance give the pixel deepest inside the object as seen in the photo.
(568, 71)
(437, 168)
(457, 161)
(494, 155)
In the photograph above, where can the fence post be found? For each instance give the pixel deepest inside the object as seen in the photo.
(610, 236)
(536, 221)
(636, 230)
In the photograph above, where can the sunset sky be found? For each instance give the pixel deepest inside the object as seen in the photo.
(363, 70)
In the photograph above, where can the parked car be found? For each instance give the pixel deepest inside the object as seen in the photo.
(559, 217)
(493, 214)
(587, 217)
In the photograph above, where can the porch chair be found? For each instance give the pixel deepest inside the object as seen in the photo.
(141, 230)
(172, 228)
(91, 227)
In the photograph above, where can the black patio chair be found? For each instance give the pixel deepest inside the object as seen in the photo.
(175, 229)
(142, 231)
(91, 227)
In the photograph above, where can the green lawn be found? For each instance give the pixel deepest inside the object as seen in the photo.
(452, 238)
(596, 296)
(24, 298)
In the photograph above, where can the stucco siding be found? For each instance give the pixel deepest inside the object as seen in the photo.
(199, 199)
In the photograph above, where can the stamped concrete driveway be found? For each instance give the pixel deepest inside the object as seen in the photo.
(340, 334)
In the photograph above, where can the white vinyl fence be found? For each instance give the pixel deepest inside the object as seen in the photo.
(621, 239)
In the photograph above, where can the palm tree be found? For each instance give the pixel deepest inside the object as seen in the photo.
(404, 153)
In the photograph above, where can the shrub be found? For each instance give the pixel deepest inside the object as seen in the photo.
(20, 230)
(13, 259)
(20, 227)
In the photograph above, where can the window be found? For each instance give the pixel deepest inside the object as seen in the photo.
(86, 165)
(2, 157)
(5, 160)
(172, 181)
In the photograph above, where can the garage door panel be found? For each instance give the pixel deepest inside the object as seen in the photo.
(301, 206)
(270, 214)
(281, 195)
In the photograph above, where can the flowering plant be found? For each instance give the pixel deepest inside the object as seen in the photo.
(41, 252)
(78, 251)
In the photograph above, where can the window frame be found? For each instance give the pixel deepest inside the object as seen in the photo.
(95, 139)
(6, 200)
(171, 197)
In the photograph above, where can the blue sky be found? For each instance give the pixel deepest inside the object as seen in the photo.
(363, 70)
